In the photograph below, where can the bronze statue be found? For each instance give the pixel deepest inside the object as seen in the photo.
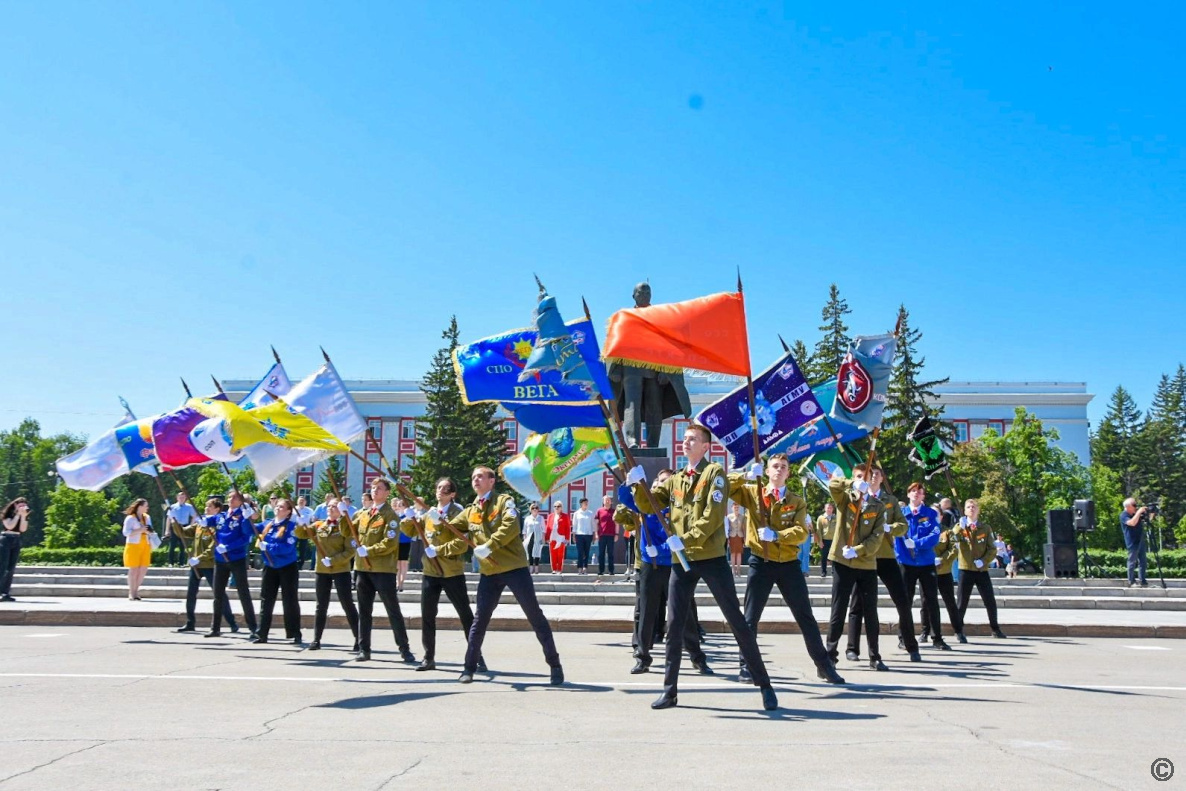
(645, 396)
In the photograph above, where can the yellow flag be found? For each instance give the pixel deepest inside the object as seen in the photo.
(275, 422)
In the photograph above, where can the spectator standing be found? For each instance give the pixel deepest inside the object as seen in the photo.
(1133, 528)
(559, 529)
(583, 531)
(137, 545)
(178, 517)
(14, 521)
(533, 536)
(825, 528)
(304, 516)
(607, 534)
(735, 533)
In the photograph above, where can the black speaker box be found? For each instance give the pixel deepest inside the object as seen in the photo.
(1060, 561)
(1084, 515)
(1060, 526)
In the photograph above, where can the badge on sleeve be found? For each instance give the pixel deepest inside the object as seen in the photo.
(511, 510)
(391, 534)
(720, 483)
(291, 540)
(718, 496)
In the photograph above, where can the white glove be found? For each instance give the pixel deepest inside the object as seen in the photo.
(652, 552)
(193, 561)
(754, 472)
(326, 562)
(938, 561)
(362, 551)
(979, 564)
(482, 551)
(766, 534)
(248, 511)
(888, 528)
(434, 514)
(849, 553)
(410, 513)
(859, 486)
(221, 549)
(636, 475)
(909, 542)
(674, 543)
(430, 551)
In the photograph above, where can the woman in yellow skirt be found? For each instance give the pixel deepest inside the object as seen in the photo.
(137, 545)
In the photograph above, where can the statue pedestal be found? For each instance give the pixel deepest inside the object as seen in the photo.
(652, 460)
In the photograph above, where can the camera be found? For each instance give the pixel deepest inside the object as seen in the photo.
(1152, 510)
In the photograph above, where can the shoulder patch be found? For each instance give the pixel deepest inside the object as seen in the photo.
(719, 482)
(718, 496)
(391, 534)
(511, 509)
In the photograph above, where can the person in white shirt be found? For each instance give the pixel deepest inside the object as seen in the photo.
(179, 516)
(304, 515)
(533, 536)
(137, 545)
(583, 529)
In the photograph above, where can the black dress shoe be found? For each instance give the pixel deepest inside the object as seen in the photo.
(187, 629)
(315, 645)
(924, 637)
(915, 656)
(901, 644)
(997, 633)
(852, 656)
(942, 646)
(212, 634)
(427, 664)
(769, 699)
(234, 630)
(960, 637)
(640, 667)
(877, 664)
(298, 641)
(482, 666)
(557, 676)
(702, 667)
(744, 675)
(363, 656)
(465, 678)
(665, 701)
(257, 638)
(829, 674)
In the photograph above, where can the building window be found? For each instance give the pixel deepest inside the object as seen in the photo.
(512, 429)
(407, 429)
(997, 426)
(962, 433)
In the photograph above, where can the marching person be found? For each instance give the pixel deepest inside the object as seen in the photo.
(825, 530)
(533, 536)
(890, 574)
(405, 546)
(179, 516)
(916, 554)
(776, 528)
(696, 499)
(977, 548)
(233, 531)
(282, 572)
(14, 521)
(559, 530)
(377, 539)
(200, 556)
(492, 522)
(137, 545)
(946, 554)
(860, 526)
(331, 539)
(444, 569)
(654, 576)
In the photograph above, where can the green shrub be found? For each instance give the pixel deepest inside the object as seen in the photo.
(81, 556)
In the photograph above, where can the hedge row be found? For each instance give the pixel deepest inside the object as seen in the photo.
(1118, 558)
(82, 556)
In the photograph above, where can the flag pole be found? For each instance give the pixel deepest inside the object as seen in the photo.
(235, 489)
(616, 430)
(753, 430)
(844, 449)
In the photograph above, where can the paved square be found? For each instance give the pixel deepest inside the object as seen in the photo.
(124, 708)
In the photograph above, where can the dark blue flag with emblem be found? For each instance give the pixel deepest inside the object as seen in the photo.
(928, 448)
(814, 435)
(783, 399)
(862, 383)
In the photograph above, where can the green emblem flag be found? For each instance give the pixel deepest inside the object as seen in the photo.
(928, 449)
(821, 466)
(549, 461)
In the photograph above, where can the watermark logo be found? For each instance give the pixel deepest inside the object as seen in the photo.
(1162, 770)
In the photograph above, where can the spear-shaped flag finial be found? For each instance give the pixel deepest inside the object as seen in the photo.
(275, 356)
(739, 279)
(785, 348)
(216, 384)
(188, 392)
(585, 305)
(542, 290)
(323, 354)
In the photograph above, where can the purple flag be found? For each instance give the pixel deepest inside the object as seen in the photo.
(784, 402)
(170, 435)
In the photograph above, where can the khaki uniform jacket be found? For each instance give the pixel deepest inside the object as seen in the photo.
(200, 541)
(947, 552)
(895, 520)
(788, 518)
(697, 508)
(494, 522)
(975, 543)
(450, 559)
(825, 527)
(379, 533)
(630, 521)
(334, 539)
(870, 522)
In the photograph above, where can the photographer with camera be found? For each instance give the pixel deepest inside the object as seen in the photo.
(1132, 526)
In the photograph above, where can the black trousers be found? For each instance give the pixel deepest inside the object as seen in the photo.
(286, 579)
(430, 599)
(490, 588)
(302, 546)
(605, 554)
(382, 583)
(823, 558)
(175, 545)
(946, 585)
(631, 545)
(222, 573)
(983, 583)
(890, 574)
(928, 582)
(584, 544)
(10, 553)
(846, 583)
(650, 597)
(339, 582)
(763, 576)
(196, 576)
(718, 576)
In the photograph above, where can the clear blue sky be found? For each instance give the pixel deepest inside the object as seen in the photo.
(183, 184)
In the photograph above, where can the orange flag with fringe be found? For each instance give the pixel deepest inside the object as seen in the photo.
(702, 334)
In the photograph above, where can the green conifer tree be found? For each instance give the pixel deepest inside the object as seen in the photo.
(834, 344)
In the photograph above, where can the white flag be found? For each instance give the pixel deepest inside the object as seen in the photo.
(105, 459)
(321, 397)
